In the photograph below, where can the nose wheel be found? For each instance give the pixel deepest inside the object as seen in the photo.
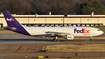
(91, 38)
(55, 39)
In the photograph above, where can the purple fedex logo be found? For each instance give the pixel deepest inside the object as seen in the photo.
(81, 31)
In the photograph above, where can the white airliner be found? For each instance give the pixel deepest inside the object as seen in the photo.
(66, 32)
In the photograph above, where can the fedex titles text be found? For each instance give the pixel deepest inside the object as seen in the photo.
(81, 31)
(11, 19)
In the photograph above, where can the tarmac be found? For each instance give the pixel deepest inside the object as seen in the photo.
(26, 41)
(23, 39)
(42, 41)
(16, 36)
(20, 36)
(35, 50)
(50, 55)
(18, 46)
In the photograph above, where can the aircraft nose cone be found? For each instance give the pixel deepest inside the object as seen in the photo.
(102, 32)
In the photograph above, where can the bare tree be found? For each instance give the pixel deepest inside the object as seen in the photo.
(44, 6)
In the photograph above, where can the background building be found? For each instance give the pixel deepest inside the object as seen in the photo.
(57, 20)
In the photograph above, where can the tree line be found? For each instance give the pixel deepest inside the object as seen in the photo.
(57, 7)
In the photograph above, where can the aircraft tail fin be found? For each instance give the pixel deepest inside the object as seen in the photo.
(13, 24)
(11, 21)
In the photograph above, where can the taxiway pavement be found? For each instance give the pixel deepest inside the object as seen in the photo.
(45, 41)
(20, 36)
(19, 46)
(51, 55)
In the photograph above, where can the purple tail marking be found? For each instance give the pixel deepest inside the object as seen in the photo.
(10, 22)
(13, 23)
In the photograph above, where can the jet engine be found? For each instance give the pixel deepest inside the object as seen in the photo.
(69, 37)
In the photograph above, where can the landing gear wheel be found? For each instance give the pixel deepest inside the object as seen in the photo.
(55, 40)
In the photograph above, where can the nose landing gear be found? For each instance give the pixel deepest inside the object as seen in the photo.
(91, 38)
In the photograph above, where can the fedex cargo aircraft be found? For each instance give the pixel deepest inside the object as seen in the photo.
(66, 32)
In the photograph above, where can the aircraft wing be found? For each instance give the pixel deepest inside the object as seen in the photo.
(57, 33)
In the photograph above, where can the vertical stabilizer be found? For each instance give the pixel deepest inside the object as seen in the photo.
(13, 24)
(11, 21)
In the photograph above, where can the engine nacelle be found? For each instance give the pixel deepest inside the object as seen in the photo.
(69, 37)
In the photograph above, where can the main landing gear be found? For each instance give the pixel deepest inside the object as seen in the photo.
(55, 39)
